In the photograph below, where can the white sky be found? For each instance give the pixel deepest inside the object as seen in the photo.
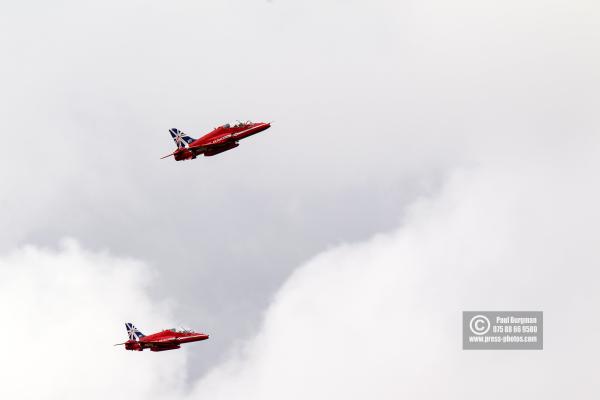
(378, 108)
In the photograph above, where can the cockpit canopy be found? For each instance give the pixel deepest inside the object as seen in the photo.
(180, 330)
(237, 124)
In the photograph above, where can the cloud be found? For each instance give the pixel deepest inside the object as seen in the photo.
(375, 103)
(91, 89)
(376, 319)
(62, 310)
(381, 319)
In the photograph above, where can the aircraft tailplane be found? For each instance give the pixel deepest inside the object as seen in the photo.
(180, 138)
(133, 332)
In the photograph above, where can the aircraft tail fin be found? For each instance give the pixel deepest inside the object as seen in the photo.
(180, 138)
(133, 332)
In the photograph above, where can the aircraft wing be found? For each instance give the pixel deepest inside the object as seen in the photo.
(163, 343)
(197, 148)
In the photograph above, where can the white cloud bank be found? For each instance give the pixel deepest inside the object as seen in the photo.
(62, 310)
(379, 319)
(382, 319)
(515, 85)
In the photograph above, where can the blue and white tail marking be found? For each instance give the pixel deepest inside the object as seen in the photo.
(180, 138)
(133, 332)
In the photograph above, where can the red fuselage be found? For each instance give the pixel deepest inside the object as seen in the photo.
(220, 139)
(169, 339)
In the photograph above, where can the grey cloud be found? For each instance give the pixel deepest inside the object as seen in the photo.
(374, 105)
(381, 319)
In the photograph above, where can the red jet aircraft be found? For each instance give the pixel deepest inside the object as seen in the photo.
(221, 139)
(169, 339)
